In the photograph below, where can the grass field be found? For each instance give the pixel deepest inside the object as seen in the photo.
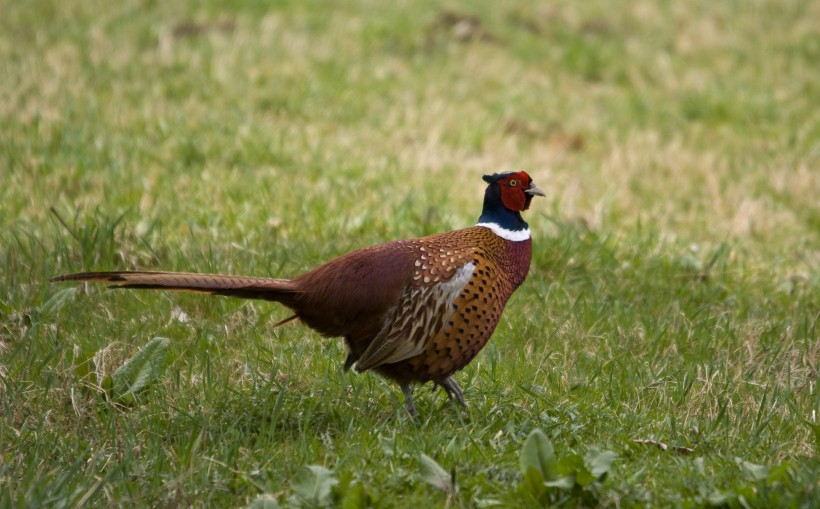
(673, 296)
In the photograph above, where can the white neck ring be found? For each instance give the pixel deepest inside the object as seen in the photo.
(511, 235)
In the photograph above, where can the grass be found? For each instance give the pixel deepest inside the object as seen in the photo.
(673, 295)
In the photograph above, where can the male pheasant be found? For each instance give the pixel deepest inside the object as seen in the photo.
(414, 310)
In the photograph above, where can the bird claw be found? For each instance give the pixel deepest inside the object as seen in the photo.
(452, 389)
(349, 362)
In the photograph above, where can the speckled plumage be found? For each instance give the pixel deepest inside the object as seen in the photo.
(433, 332)
(412, 310)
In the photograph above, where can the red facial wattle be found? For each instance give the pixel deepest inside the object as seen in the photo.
(512, 191)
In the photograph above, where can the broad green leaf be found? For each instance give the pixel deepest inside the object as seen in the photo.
(751, 471)
(434, 474)
(566, 482)
(314, 484)
(488, 502)
(721, 499)
(533, 482)
(387, 444)
(538, 454)
(144, 368)
(264, 502)
(599, 462)
(573, 466)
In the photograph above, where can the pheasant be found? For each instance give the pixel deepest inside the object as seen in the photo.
(414, 311)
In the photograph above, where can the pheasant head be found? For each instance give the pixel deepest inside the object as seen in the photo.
(506, 196)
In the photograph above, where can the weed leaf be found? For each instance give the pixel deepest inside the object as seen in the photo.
(539, 455)
(751, 471)
(141, 370)
(434, 474)
(538, 463)
(566, 482)
(598, 462)
(314, 485)
(264, 502)
(573, 470)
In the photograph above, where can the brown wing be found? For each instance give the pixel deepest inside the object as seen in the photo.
(351, 296)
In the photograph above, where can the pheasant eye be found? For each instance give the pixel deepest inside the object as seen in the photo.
(513, 183)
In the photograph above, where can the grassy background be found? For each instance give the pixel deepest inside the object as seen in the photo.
(674, 291)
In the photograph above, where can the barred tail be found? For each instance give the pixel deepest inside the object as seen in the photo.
(279, 290)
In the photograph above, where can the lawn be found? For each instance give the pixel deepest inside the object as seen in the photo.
(664, 350)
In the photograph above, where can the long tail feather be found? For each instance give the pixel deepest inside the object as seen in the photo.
(280, 290)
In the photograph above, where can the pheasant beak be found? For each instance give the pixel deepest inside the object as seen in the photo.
(534, 190)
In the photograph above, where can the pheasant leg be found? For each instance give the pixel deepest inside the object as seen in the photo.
(408, 399)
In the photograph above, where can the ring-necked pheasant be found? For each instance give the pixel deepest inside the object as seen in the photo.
(414, 310)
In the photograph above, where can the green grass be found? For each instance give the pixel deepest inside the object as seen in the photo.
(673, 296)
